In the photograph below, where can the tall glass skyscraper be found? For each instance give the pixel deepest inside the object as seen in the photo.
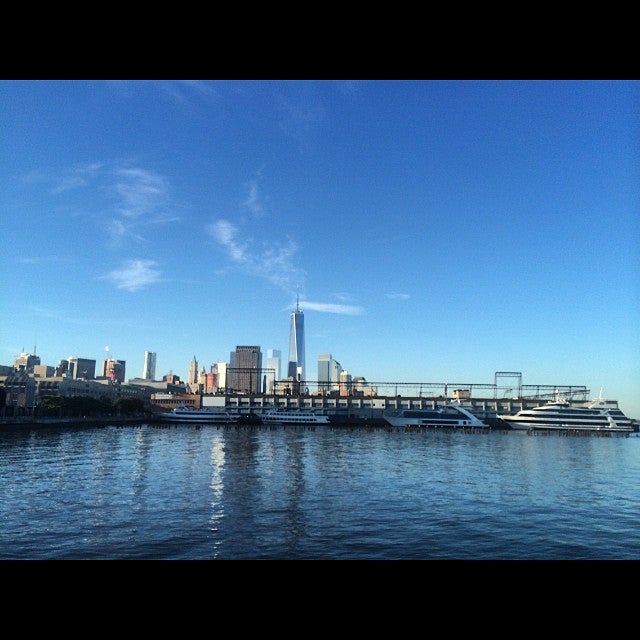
(273, 370)
(149, 369)
(329, 371)
(295, 369)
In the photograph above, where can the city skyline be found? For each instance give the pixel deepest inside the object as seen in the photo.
(330, 374)
(431, 230)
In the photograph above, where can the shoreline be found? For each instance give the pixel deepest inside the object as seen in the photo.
(342, 423)
(90, 421)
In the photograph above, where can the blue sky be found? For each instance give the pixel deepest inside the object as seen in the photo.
(435, 230)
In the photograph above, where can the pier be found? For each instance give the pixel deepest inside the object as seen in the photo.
(378, 426)
(363, 403)
(348, 410)
(387, 428)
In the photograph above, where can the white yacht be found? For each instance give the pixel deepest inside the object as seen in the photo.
(450, 415)
(560, 414)
(293, 416)
(200, 416)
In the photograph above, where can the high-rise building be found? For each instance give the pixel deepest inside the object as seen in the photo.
(26, 361)
(221, 371)
(329, 371)
(246, 369)
(345, 383)
(149, 368)
(273, 370)
(193, 371)
(43, 371)
(77, 368)
(211, 380)
(335, 374)
(324, 368)
(295, 368)
(113, 369)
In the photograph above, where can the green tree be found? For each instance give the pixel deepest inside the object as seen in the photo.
(128, 406)
(50, 406)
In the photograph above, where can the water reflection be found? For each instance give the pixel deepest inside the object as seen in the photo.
(185, 493)
(239, 482)
(216, 486)
(143, 443)
(294, 521)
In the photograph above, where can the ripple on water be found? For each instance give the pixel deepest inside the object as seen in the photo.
(187, 493)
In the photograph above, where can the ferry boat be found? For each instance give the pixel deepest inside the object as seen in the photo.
(450, 415)
(282, 416)
(200, 416)
(560, 415)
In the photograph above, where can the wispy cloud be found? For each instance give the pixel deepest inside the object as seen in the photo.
(142, 200)
(139, 191)
(200, 87)
(78, 177)
(253, 201)
(327, 307)
(274, 262)
(69, 183)
(137, 198)
(398, 296)
(186, 93)
(134, 275)
(303, 109)
(92, 167)
(225, 233)
(277, 263)
(43, 259)
(119, 229)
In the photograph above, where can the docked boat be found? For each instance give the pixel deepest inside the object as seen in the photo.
(294, 416)
(450, 415)
(199, 416)
(560, 415)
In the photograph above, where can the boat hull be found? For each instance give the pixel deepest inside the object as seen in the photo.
(197, 417)
(597, 416)
(401, 422)
(294, 418)
(453, 416)
(519, 425)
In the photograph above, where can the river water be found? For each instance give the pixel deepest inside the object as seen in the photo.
(214, 492)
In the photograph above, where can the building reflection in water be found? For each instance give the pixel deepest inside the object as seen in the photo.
(142, 450)
(216, 486)
(256, 488)
(294, 525)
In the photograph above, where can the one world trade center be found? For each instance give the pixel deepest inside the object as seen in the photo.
(295, 369)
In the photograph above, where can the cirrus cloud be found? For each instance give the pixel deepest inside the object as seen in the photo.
(398, 296)
(327, 307)
(134, 275)
(140, 191)
(274, 262)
